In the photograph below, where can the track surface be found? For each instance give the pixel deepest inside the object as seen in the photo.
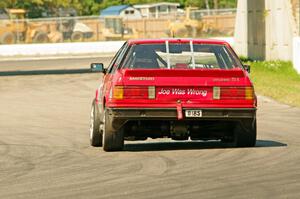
(59, 63)
(45, 152)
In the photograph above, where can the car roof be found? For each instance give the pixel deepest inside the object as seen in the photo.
(176, 40)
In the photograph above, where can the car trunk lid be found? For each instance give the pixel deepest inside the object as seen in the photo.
(191, 88)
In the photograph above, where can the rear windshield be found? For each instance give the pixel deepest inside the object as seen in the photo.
(180, 56)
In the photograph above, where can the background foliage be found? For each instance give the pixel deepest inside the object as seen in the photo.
(278, 80)
(38, 8)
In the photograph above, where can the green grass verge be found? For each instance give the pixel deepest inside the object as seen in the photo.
(278, 80)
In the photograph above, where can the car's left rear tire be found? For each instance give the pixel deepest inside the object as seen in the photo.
(113, 140)
(95, 133)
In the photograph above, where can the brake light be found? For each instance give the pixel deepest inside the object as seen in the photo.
(233, 93)
(134, 92)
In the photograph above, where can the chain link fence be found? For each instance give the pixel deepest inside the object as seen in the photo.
(195, 23)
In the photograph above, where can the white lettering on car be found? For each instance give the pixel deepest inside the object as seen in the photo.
(178, 91)
(141, 78)
(164, 92)
(197, 92)
(234, 79)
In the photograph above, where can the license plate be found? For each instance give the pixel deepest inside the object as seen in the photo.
(193, 113)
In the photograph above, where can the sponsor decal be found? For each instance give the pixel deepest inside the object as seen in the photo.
(141, 78)
(180, 92)
(233, 79)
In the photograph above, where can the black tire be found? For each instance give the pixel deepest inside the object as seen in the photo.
(227, 140)
(245, 134)
(112, 140)
(8, 38)
(77, 36)
(95, 133)
(40, 37)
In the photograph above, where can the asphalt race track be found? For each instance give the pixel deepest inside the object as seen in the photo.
(45, 64)
(45, 152)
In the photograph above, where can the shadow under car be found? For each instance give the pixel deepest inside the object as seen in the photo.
(191, 145)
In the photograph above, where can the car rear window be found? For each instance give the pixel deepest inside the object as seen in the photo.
(180, 56)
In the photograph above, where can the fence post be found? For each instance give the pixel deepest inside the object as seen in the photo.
(17, 30)
(97, 30)
(144, 27)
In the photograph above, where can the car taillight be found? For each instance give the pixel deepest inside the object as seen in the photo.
(249, 93)
(134, 92)
(233, 93)
(118, 92)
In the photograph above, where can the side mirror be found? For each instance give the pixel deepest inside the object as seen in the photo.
(247, 68)
(98, 67)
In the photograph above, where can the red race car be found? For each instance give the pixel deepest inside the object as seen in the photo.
(177, 88)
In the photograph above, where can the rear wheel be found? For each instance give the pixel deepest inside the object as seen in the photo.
(245, 135)
(95, 133)
(112, 140)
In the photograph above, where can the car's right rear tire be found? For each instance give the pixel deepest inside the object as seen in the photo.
(113, 140)
(245, 134)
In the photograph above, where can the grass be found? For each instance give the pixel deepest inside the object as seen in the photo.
(278, 80)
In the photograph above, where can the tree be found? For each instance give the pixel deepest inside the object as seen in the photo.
(216, 4)
(228, 3)
(196, 3)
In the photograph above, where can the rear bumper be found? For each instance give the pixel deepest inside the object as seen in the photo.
(120, 116)
(171, 113)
